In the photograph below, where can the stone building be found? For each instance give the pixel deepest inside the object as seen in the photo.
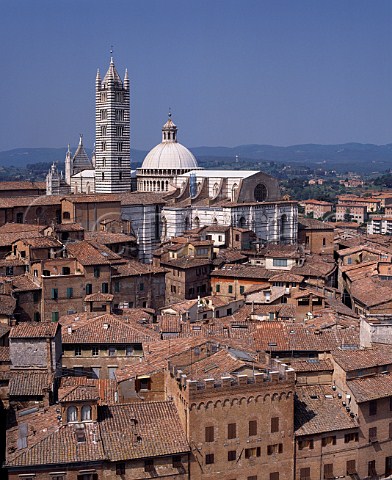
(237, 417)
(112, 132)
(164, 162)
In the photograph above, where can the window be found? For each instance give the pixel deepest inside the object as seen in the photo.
(372, 469)
(305, 444)
(54, 477)
(104, 114)
(217, 288)
(277, 448)
(119, 114)
(112, 351)
(141, 287)
(230, 289)
(274, 476)
(351, 437)
(144, 384)
(148, 465)
(331, 440)
(112, 373)
(97, 272)
(37, 317)
(72, 414)
(373, 434)
(274, 424)
(105, 287)
(304, 473)
(66, 215)
(89, 289)
(103, 130)
(129, 350)
(231, 455)
(95, 351)
(388, 466)
(252, 428)
(390, 430)
(119, 146)
(9, 271)
(65, 271)
(176, 461)
(120, 468)
(78, 351)
(351, 468)
(86, 413)
(19, 217)
(55, 316)
(69, 292)
(209, 434)
(54, 294)
(279, 262)
(116, 286)
(210, 458)
(229, 311)
(242, 289)
(252, 452)
(328, 470)
(373, 407)
(231, 430)
(119, 130)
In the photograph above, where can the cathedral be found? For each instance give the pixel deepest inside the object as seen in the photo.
(190, 195)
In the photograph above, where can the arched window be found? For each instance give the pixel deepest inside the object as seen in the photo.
(234, 192)
(72, 414)
(164, 227)
(186, 226)
(284, 228)
(215, 221)
(215, 189)
(242, 222)
(196, 222)
(86, 413)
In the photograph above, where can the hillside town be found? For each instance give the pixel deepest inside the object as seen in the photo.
(176, 322)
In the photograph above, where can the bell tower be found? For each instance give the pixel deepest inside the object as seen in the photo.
(112, 132)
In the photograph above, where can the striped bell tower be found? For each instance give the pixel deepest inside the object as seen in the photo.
(112, 133)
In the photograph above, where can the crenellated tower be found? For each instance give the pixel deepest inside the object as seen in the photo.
(112, 146)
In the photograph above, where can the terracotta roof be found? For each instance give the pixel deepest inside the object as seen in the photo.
(7, 305)
(370, 388)
(34, 330)
(93, 198)
(30, 200)
(317, 409)
(311, 365)
(376, 356)
(371, 292)
(313, 224)
(68, 227)
(79, 393)
(243, 271)
(316, 202)
(229, 255)
(92, 253)
(22, 185)
(108, 238)
(186, 262)
(29, 382)
(142, 198)
(7, 239)
(106, 388)
(107, 329)
(130, 431)
(4, 354)
(286, 277)
(51, 443)
(42, 242)
(22, 283)
(98, 297)
(170, 323)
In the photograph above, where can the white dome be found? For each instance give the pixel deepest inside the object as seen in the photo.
(170, 155)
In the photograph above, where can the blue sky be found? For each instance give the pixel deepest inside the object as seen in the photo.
(278, 72)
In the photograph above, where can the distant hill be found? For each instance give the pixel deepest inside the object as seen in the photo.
(362, 158)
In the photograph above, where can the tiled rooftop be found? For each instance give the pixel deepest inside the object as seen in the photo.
(34, 330)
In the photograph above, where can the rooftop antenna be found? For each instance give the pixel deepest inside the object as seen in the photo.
(170, 113)
(111, 53)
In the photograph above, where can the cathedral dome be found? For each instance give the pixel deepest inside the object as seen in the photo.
(170, 154)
